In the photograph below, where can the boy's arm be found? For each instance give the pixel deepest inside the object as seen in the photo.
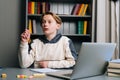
(26, 57)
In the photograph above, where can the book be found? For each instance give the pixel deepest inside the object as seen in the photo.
(60, 9)
(114, 63)
(34, 26)
(80, 27)
(30, 25)
(66, 8)
(54, 7)
(38, 7)
(113, 70)
(81, 10)
(43, 7)
(32, 7)
(29, 7)
(113, 74)
(35, 8)
(76, 9)
(85, 28)
(66, 28)
(47, 7)
(71, 7)
(84, 10)
(72, 26)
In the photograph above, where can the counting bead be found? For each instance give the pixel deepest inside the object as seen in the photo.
(4, 75)
(21, 76)
(25, 76)
(30, 77)
(39, 75)
(18, 76)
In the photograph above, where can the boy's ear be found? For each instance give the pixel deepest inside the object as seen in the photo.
(59, 26)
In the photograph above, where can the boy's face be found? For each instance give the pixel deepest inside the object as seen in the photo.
(49, 25)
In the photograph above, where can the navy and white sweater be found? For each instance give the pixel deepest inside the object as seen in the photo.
(60, 52)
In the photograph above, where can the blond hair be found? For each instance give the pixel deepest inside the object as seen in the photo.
(56, 17)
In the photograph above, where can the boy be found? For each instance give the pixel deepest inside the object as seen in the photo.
(52, 50)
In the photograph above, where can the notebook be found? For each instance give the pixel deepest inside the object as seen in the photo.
(92, 61)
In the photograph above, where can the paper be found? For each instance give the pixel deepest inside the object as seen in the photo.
(116, 61)
(44, 70)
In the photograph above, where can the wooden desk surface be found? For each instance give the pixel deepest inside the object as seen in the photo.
(13, 72)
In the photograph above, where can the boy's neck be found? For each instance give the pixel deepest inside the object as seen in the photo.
(51, 36)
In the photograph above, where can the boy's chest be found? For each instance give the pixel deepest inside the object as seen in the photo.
(50, 51)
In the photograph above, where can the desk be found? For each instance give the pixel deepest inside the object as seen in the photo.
(13, 72)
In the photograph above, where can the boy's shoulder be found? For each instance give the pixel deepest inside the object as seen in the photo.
(65, 38)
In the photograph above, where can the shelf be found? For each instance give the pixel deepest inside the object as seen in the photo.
(64, 17)
(71, 24)
(65, 1)
(76, 37)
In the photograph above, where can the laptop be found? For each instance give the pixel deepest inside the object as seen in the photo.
(92, 61)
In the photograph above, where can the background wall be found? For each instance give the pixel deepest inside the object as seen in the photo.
(101, 21)
(11, 23)
(108, 23)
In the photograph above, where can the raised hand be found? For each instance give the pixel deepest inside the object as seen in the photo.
(25, 36)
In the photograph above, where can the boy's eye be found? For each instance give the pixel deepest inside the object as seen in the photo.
(46, 21)
(43, 21)
(49, 21)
